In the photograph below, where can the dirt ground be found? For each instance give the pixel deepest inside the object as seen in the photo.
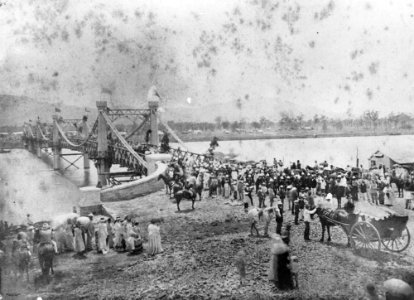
(198, 261)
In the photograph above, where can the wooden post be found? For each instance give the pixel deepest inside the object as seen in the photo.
(57, 149)
(103, 155)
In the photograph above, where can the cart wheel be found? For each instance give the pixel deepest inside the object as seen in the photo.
(399, 243)
(365, 238)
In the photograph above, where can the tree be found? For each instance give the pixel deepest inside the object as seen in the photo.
(234, 126)
(256, 125)
(371, 117)
(218, 121)
(287, 121)
(225, 124)
(324, 125)
(316, 119)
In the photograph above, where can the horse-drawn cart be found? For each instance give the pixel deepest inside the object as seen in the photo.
(369, 226)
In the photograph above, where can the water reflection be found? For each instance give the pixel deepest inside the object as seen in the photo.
(78, 175)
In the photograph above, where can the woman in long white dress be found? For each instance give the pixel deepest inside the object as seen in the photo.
(79, 244)
(154, 238)
(102, 235)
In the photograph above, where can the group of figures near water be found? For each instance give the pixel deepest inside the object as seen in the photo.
(306, 192)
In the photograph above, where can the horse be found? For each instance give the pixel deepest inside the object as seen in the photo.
(179, 193)
(46, 254)
(400, 183)
(213, 186)
(185, 194)
(327, 215)
(171, 184)
(199, 184)
(23, 257)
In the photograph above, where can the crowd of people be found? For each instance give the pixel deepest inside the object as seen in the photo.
(78, 234)
(266, 191)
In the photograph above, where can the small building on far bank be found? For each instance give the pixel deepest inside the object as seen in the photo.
(404, 159)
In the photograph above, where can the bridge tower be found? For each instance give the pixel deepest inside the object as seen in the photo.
(57, 149)
(103, 159)
(153, 104)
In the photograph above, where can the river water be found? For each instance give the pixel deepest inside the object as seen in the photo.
(339, 151)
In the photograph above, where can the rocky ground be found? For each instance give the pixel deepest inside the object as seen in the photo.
(198, 262)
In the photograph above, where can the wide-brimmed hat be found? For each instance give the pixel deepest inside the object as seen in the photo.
(90, 215)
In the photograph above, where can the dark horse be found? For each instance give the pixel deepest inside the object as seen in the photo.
(172, 186)
(400, 183)
(46, 253)
(22, 260)
(179, 193)
(329, 218)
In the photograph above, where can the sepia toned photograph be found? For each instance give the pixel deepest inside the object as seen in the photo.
(206, 149)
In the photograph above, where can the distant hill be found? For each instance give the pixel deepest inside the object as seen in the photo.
(15, 110)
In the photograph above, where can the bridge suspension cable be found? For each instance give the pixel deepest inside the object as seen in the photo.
(123, 141)
(175, 136)
(31, 131)
(62, 133)
(44, 137)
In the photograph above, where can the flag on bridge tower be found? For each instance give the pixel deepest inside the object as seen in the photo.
(57, 109)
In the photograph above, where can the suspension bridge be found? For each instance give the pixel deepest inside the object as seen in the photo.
(105, 145)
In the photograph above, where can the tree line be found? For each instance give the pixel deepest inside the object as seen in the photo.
(288, 121)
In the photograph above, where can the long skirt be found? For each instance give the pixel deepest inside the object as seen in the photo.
(118, 239)
(226, 190)
(110, 241)
(154, 244)
(79, 244)
(70, 242)
(102, 242)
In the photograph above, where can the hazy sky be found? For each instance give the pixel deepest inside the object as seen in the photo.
(237, 59)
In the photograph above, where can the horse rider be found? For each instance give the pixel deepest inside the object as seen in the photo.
(46, 236)
(191, 181)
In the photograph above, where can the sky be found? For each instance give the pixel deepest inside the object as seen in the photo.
(235, 59)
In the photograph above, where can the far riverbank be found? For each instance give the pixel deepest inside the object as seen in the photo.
(267, 135)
